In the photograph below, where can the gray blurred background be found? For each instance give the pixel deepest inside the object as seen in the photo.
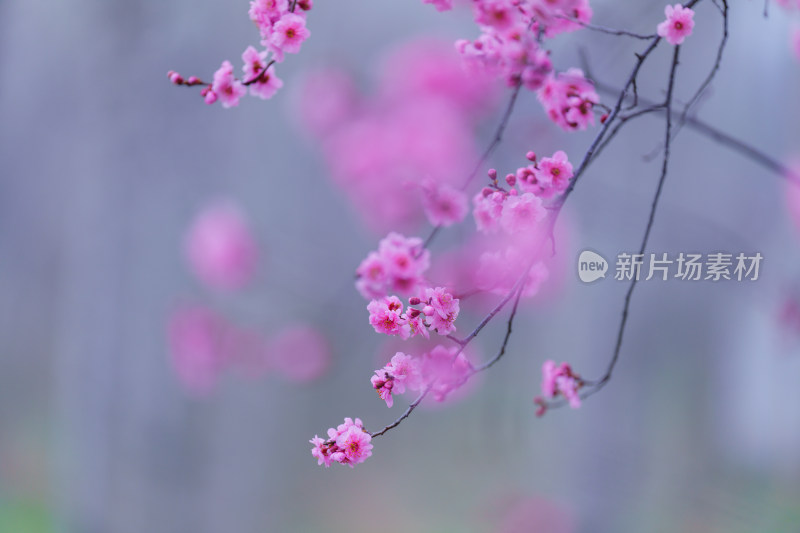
(103, 164)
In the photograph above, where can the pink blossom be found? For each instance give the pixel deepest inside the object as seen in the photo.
(347, 444)
(220, 248)
(443, 371)
(445, 307)
(300, 353)
(569, 99)
(444, 205)
(560, 380)
(678, 25)
(521, 213)
(497, 14)
(398, 266)
(227, 88)
(289, 33)
(554, 171)
(385, 316)
(487, 209)
(400, 373)
(267, 83)
(355, 445)
(265, 13)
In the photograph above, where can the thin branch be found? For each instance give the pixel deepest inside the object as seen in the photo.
(406, 413)
(502, 350)
(724, 139)
(609, 31)
(596, 386)
(706, 82)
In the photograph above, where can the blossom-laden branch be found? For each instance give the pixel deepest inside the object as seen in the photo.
(283, 30)
(515, 206)
(550, 383)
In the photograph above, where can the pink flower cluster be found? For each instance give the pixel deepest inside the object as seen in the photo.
(520, 208)
(678, 25)
(510, 47)
(400, 373)
(442, 370)
(506, 48)
(439, 312)
(348, 444)
(220, 248)
(568, 99)
(283, 30)
(416, 128)
(559, 380)
(398, 266)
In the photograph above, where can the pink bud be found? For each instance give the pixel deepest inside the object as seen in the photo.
(486, 191)
(414, 300)
(492, 174)
(531, 156)
(427, 310)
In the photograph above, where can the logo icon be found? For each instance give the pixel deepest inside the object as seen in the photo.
(591, 266)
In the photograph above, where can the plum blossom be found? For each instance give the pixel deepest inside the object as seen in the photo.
(444, 205)
(265, 83)
(386, 316)
(521, 212)
(226, 87)
(400, 373)
(348, 444)
(439, 312)
(398, 266)
(678, 25)
(220, 248)
(560, 380)
(443, 371)
(569, 100)
(289, 33)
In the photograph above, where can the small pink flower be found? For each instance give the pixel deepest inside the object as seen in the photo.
(355, 445)
(386, 316)
(289, 33)
(347, 444)
(555, 171)
(521, 213)
(267, 83)
(445, 308)
(227, 88)
(678, 25)
(487, 210)
(220, 248)
(444, 205)
(560, 380)
(569, 99)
